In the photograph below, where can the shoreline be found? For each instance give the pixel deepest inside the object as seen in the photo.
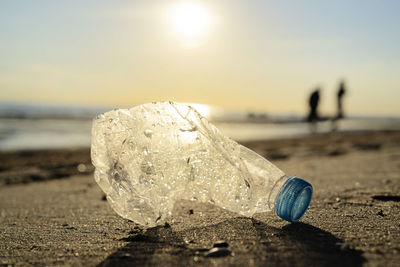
(30, 165)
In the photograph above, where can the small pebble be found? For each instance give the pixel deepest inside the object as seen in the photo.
(380, 213)
(221, 244)
(81, 167)
(188, 241)
(218, 252)
(337, 199)
(191, 211)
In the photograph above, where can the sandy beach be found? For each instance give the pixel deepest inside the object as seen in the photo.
(53, 212)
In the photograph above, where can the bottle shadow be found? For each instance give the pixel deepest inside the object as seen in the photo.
(251, 241)
(307, 245)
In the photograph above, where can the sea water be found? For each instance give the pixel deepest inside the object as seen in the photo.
(64, 132)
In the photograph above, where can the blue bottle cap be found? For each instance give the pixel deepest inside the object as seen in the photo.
(293, 200)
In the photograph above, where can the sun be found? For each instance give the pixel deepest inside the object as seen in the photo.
(189, 19)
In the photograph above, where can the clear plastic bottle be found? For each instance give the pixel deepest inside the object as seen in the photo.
(155, 154)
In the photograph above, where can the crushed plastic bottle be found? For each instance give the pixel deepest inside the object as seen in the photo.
(152, 155)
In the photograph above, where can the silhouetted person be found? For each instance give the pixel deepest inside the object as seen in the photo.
(313, 102)
(340, 94)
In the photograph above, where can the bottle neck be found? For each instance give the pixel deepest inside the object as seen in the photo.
(276, 189)
(269, 194)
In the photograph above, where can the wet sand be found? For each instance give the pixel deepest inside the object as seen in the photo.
(53, 213)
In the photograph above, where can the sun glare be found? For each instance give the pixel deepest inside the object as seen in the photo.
(190, 20)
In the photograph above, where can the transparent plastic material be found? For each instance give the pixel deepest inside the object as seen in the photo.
(152, 155)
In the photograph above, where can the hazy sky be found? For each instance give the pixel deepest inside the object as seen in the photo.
(247, 55)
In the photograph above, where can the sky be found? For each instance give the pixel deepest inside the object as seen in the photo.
(258, 55)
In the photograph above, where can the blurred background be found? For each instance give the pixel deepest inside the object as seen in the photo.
(249, 66)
